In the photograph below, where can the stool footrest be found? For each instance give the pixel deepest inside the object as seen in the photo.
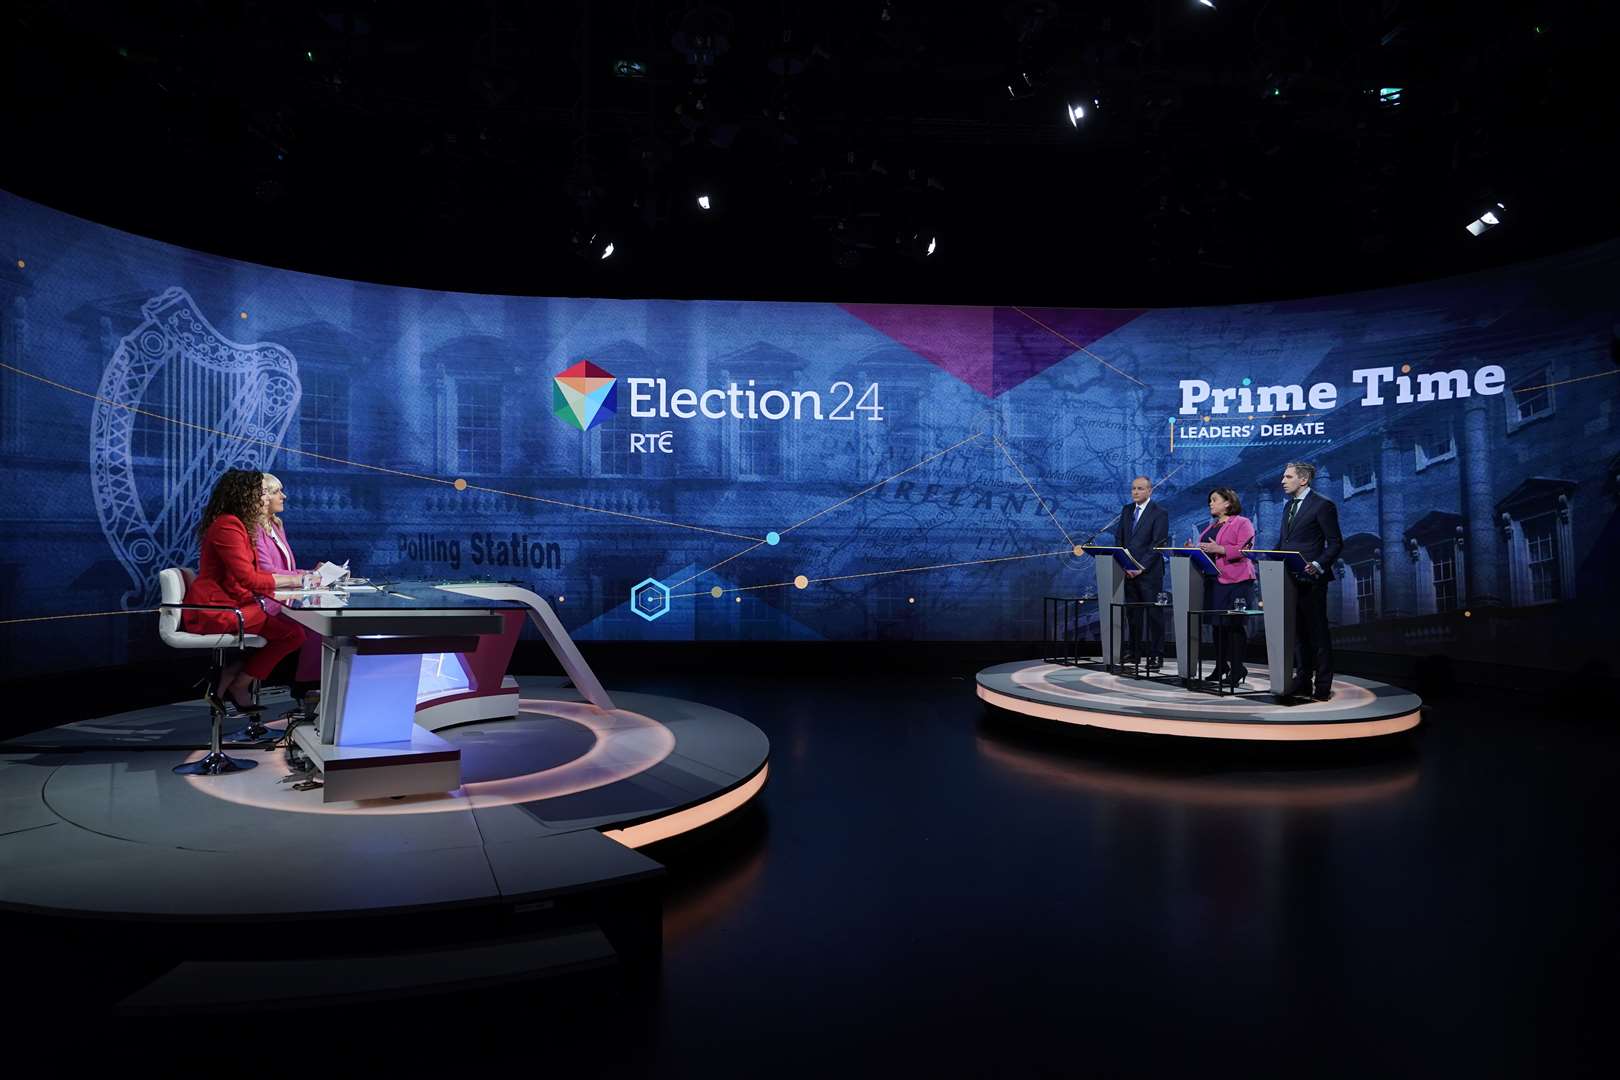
(214, 763)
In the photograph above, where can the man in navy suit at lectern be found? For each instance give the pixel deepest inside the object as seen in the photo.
(1311, 527)
(1144, 526)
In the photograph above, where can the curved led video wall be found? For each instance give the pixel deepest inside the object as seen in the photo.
(795, 471)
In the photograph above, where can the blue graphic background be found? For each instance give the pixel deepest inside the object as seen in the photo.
(1477, 526)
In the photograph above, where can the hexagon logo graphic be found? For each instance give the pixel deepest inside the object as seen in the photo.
(584, 395)
(650, 599)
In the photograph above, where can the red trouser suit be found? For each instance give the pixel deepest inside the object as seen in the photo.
(227, 574)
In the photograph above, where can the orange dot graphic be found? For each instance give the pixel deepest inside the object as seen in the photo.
(21, 264)
(801, 582)
(461, 485)
(244, 314)
(1406, 369)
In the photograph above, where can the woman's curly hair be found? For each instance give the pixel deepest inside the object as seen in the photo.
(239, 492)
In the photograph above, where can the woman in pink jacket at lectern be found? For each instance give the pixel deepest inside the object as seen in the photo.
(1225, 540)
(274, 555)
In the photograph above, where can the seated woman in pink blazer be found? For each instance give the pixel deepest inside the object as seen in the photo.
(274, 555)
(1225, 540)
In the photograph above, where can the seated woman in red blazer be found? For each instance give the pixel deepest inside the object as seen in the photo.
(228, 575)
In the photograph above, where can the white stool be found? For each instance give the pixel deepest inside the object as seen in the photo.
(172, 585)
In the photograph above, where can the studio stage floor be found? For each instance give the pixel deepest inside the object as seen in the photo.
(93, 821)
(926, 886)
(1090, 696)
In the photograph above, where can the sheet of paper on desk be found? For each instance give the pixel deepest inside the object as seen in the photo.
(330, 573)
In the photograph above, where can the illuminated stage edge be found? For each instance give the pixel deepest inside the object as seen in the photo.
(555, 802)
(1088, 696)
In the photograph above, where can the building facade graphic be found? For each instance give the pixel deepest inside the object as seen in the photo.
(1477, 522)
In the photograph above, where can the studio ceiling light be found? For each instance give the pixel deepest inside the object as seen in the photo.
(1486, 221)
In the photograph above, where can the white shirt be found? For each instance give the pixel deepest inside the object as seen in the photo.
(1300, 497)
(281, 545)
(1141, 508)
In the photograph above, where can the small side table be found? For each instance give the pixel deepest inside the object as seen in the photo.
(1195, 629)
(1061, 633)
(1115, 619)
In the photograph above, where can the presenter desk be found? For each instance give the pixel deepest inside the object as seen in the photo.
(384, 647)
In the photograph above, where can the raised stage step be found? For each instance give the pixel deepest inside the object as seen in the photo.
(239, 985)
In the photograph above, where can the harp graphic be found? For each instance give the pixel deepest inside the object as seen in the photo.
(234, 403)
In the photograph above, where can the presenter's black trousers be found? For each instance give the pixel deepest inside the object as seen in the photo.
(1315, 664)
(1145, 637)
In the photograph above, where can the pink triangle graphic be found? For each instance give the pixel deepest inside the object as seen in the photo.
(992, 349)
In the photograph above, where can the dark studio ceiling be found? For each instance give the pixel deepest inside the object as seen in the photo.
(1252, 150)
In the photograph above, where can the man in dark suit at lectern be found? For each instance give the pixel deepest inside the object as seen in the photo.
(1144, 526)
(1311, 527)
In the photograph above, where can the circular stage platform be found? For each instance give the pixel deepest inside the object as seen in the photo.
(1089, 696)
(94, 822)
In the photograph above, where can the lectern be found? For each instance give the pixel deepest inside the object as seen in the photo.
(1112, 562)
(1277, 588)
(1189, 566)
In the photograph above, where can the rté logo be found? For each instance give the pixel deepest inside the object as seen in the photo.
(647, 442)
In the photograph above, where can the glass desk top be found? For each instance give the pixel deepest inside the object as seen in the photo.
(377, 597)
